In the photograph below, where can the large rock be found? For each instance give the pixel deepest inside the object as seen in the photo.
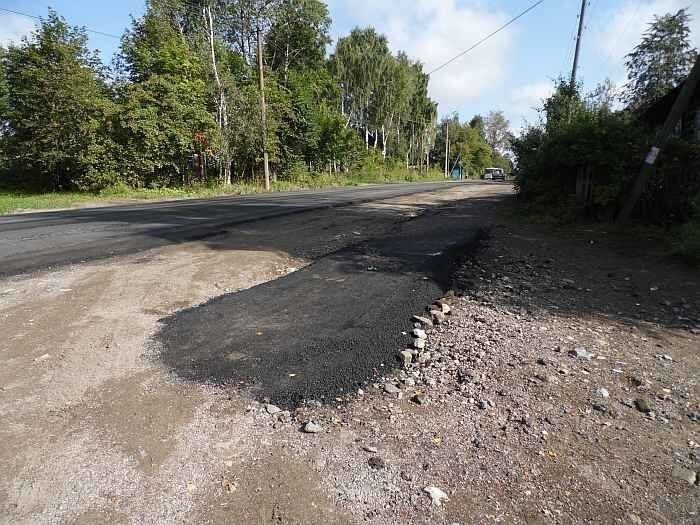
(272, 409)
(312, 428)
(684, 474)
(437, 496)
(406, 357)
(443, 306)
(437, 316)
(422, 320)
(420, 334)
(580, 353)
(391, 388)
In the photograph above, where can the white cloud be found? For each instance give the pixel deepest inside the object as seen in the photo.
(522, 103)
(14, 27)
(433, 31)
(629, 21)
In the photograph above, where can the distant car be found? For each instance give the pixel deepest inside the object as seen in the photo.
(494, 174)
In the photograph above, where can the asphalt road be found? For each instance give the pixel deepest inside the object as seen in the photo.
(327, 329)
(48, 239)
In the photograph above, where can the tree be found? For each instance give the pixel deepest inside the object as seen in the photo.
(660, 61)
(59, 112)
(468, 145)
(164, 121)
(298, 36)
(498, 134)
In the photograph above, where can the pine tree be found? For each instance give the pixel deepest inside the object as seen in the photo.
(661, 60)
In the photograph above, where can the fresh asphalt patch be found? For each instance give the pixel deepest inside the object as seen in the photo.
(327, 329)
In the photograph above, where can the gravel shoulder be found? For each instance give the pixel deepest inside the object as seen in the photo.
(561, 387)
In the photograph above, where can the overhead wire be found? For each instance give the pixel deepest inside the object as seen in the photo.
(27, 15)
(487, 37)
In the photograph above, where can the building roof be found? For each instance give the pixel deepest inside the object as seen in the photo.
(657, 112)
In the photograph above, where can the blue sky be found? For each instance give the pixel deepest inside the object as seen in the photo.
(511, 72)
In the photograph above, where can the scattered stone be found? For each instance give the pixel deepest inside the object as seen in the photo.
(272, 409)
(485, 404)
(406, 476)
(41, 358)
(419, 344)
(642, 405)
(443, 307)
(422, 320)
(424, 357)
(694, 416)
(603, 392)
(599, 407)
(312, 428)
(580, 353)
(420, 399)
(391, 388)
(406, 357)
(684, 474)
(376, 463)
(420, 334)
(437, 316)
(437, 496)
(370, 449)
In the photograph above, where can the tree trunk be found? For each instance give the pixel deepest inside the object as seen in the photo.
(383, 143)
(221, 109)
(263, 110)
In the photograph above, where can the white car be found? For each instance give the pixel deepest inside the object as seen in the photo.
(493, 174)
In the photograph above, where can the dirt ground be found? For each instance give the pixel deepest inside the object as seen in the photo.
(562, 388)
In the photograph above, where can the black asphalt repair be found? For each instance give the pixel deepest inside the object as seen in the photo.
(327, 329)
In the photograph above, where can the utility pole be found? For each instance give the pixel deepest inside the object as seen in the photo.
(263, 111)
(578, 43)
(649, 167)
(447, 146)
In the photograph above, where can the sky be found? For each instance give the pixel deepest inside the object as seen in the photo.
(511, 72)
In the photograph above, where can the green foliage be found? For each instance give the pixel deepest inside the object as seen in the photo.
(183, 106)
(660, 61)
(164, 117)
(298, 37)
(468, 146)
(497, 132)
(575, 137)
(384, 97)
(686, 243)
(58, 111)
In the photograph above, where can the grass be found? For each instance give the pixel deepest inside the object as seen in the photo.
(686, 243)
(12, 201)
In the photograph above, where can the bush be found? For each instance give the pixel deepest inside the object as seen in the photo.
(577, 142)
(686, 243)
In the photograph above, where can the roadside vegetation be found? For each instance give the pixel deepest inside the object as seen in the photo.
(181, 110)
(17, 200)
(581, 159)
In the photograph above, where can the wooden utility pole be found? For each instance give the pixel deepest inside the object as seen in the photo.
(263, 110)
(649, 166)
(578, 43)
(447, 147)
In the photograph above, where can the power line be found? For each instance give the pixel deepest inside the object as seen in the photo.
(39, 18)
(487, 37)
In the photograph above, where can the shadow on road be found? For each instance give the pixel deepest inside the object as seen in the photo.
(40, 240)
